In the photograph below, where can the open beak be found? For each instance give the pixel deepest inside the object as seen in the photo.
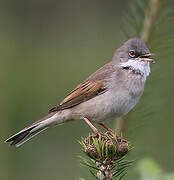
(147, 58)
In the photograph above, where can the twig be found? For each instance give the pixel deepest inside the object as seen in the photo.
(150, 18)
(106, 155)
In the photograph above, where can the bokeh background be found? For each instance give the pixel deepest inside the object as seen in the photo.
(46, 49)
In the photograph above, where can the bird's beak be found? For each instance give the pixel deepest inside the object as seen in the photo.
(147, 58)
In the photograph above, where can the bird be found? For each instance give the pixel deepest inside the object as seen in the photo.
(112, 91)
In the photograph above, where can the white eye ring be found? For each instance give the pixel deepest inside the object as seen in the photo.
(132, 53)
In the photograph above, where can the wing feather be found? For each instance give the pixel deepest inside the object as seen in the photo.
(83, 92)
(91, 87)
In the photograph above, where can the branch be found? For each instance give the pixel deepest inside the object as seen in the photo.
(106, 153)
(150, 19)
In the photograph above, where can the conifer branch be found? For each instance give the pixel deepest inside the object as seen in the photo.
(106, 153)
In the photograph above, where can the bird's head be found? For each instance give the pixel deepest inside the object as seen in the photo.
(133, 50)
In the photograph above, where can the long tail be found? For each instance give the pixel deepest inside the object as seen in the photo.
(32, 130)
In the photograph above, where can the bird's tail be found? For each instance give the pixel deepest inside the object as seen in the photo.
(32, 130)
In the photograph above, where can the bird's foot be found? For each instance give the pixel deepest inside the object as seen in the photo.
(96, 131)
(92, 126)
(105, 127)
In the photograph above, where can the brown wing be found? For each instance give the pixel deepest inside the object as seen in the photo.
(88, 89)
(83, 92)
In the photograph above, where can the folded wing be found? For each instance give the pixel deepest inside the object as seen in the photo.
(83, 92)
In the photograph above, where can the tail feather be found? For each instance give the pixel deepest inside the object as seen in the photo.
(23, 136)
(29, 132)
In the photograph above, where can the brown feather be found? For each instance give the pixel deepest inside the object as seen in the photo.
(83, 92)
(93, 86)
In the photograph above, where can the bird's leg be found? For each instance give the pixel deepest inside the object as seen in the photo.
(105, 127)
(91, 125)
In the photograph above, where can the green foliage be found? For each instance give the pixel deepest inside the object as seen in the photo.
(105, 155)
(148, 169)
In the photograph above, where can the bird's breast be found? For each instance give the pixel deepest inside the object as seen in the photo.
(115, 102)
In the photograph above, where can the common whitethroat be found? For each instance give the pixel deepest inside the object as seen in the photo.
(111, 91)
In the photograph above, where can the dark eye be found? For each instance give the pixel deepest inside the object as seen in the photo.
(132, 53)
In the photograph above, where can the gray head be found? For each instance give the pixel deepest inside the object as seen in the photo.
(133, 49)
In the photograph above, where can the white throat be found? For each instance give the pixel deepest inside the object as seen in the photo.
(137, 65)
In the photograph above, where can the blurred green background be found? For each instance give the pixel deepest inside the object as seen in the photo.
(46, 49)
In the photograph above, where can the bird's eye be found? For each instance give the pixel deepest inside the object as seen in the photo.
(132, 53)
